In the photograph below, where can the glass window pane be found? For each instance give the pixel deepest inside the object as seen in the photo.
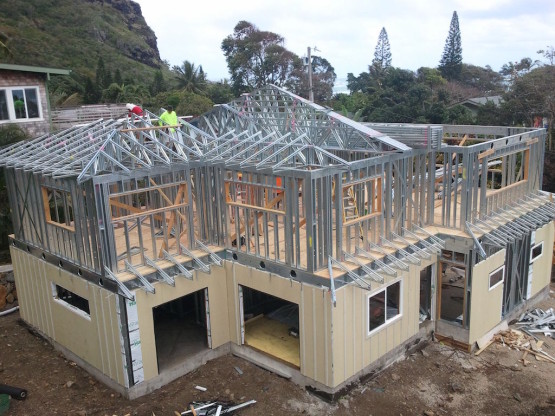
(19, 104)
(377, 310)
(393, 297)
(3, 106)
(537, 251)
(32, 103)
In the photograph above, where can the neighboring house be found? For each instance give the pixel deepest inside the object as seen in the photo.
(24, 97)
(276, 230)
(473, 104)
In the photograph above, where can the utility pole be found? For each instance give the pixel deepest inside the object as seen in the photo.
(310, 91)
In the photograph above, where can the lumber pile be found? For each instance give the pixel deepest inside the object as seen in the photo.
(520, 341)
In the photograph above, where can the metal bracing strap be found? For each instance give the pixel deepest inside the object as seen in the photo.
(410, 257)
(434, 238)
(332, 282)
(125, 292)
(355, 277)
(477, 243)
(394, 260)
(431, 248)
(381, 265)
(417, 250)
(203, 266)
(371, 274)
(180, 267)
(146, 284)
(213, 256)
(165, 277)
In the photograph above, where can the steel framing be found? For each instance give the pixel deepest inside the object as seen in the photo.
(273, 180)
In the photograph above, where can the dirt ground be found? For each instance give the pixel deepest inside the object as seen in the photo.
(437, 381)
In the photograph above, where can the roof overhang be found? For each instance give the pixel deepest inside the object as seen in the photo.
(37, 69)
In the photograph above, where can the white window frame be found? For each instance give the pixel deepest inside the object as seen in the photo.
(11, 109)
(387, 321)
(67, 305)
(532, 260)
(498, 283)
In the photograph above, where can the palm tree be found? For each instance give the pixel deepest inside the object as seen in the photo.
(190, 77)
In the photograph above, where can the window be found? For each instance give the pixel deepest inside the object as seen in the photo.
(496, 277)
(536, 252)
(384, 306)
(73, 300)
(58, 208)
(19, 104)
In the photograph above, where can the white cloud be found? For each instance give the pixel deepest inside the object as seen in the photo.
(493, 32)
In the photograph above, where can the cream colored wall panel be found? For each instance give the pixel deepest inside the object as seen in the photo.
(234, 329)
(287, 289)
(94, 338)
(319, 336)
(352, 302)
(485, 304)
(541, 267)
(308, 337)
(339, 344)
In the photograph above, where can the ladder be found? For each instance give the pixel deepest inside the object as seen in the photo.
(350, 208)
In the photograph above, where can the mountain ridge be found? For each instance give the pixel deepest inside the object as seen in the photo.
(74, 34)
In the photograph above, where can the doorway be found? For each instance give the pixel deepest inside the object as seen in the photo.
(427, 274)
(181, 329)
(452, 287)
(270, 325)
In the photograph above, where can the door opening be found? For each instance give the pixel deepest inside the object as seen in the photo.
(270, 325)
(181, 329)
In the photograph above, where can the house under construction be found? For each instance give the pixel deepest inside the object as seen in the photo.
(277, 230)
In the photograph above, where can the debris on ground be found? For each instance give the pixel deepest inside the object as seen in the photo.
(520, 341)
(538, 321)
(214, 408)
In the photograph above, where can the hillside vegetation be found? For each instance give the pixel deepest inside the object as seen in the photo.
(73, 34)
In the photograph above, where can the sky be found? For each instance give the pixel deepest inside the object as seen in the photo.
(345, 32)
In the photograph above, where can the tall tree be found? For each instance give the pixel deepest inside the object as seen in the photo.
(102, 77)
(256, 58)
(382, 53)
(450, 64)
(158, 84)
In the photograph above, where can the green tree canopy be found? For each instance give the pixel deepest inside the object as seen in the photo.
(256, 58)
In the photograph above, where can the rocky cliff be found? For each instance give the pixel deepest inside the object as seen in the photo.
(73, 34)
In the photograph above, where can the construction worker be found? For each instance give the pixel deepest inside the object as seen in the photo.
(134, 109)
(169, 117)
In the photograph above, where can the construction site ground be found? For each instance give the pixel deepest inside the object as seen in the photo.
(438, 380)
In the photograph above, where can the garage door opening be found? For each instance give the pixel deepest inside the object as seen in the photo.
(181, 329)
(270, 325)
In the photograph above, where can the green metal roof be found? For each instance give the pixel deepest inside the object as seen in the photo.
(41, 69)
